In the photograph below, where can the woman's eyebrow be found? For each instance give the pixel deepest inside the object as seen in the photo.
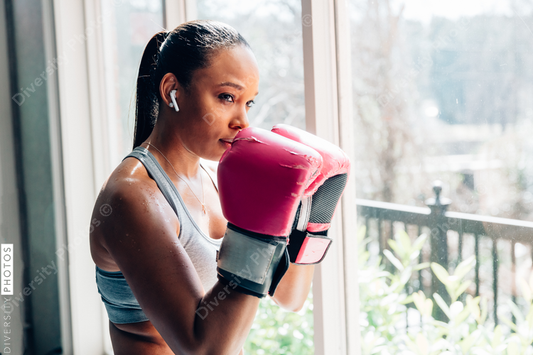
(234, 85)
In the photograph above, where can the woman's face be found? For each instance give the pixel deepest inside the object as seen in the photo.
(214, 108)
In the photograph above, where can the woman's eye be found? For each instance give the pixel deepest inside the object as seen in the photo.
(250, 103)
(226, 97)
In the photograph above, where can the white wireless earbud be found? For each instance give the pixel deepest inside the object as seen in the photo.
(173, 98)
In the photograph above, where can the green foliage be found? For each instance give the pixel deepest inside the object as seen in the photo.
(385, 301)
(453, 283)
(278, 332)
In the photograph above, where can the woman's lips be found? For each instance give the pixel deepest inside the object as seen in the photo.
(227, 142)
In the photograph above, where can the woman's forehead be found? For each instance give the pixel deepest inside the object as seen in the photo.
(234, 67)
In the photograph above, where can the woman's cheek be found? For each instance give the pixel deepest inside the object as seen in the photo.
(209, 118)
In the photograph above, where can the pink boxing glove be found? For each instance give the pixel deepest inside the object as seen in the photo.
(309, 242)
(261, 179)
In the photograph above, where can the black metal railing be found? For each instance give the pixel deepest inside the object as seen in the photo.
(439, 221)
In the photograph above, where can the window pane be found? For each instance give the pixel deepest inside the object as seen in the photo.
(442, 91)
(127, 28)
(273, 30)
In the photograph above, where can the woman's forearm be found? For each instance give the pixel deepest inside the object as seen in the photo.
(294, 288)
(223, 320)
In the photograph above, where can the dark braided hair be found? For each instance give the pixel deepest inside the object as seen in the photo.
(188, 47)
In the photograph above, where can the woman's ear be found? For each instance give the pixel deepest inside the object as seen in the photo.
(170, 91)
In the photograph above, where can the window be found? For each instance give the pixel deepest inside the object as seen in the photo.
(126, 29)
(103, 105)
(442, 92)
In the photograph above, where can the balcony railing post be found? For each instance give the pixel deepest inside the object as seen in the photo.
(438, 240)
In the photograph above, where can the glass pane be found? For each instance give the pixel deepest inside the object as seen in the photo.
(127, 28)
(442, 91)
(274, 31)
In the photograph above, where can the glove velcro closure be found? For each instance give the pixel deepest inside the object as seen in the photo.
(254, 262)
(306, 248)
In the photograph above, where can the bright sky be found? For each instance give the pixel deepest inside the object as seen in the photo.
(423, 10)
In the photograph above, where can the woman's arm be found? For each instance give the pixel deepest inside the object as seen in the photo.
(141, 237)
(294, 287)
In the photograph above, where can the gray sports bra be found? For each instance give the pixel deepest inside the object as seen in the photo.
(121, 305)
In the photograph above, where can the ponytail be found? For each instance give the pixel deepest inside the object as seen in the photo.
(147, 98)
(189, 47)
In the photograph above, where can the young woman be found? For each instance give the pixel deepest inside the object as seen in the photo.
(155, 255)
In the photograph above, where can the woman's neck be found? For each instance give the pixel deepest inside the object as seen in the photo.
(170, 148)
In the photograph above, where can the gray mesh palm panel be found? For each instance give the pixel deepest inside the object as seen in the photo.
(326, 198)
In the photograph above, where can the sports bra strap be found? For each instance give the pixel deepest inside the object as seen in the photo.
(157, 173)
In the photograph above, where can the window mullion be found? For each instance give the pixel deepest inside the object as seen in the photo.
(328, 115)
(176, 12)
(347, 143)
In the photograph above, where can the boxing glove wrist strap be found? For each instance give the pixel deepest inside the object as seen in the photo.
(307, 248)
(254, 262)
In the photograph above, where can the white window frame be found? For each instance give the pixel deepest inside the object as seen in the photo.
(328, 95)
(80, 173)
(175, 12)
(328, 110)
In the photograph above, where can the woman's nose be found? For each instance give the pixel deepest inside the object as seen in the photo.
(240, 121)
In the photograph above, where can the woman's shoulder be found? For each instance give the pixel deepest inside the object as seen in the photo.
(131, 192)
(130, 204)
(129, 179)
